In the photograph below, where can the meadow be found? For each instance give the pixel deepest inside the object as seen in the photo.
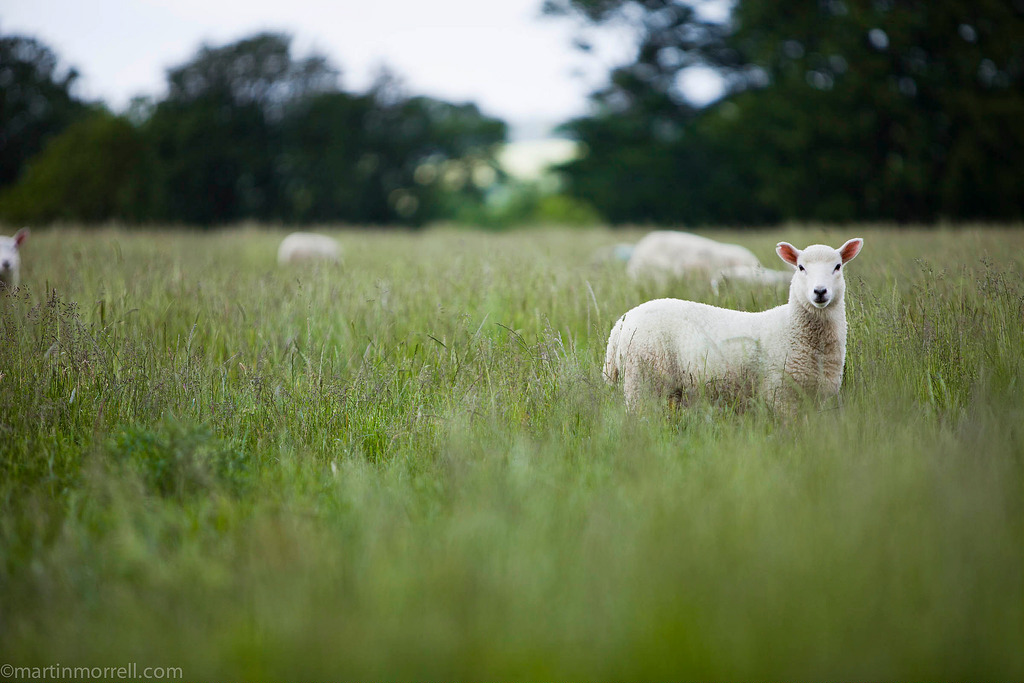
(409, 467)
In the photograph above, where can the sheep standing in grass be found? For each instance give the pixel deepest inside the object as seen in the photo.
(307, 246)
(668, 253)
(686, 349)
(10, 259)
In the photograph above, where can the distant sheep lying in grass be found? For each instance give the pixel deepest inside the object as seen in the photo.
(751, 274)
(307, 246)
(685, 349)
(10, 259)
(671, 254)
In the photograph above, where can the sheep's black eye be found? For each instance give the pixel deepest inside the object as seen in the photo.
(801, 268)
(837, 268)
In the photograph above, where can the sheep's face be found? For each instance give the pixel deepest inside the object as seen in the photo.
(10, 258)
(818, 280)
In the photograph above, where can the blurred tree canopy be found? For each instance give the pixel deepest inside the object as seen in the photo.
(35, 101)
(94, 171)
(380, 157)
(834, 110)
(249, 131)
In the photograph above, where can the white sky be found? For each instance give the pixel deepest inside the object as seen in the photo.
(501, 54)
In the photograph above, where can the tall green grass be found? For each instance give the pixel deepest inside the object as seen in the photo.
(409, 467)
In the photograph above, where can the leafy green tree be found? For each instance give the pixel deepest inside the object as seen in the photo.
(382, 157)
(96, 170)
(36, 102)
(216, 134)
(650, 157)
(878, 109)
(433, 155)
(325, 159)
(835, 110)
(258, 70)
(249, 132)
(215, 161)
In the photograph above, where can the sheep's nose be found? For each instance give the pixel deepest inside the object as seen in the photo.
(5, 265)
(820, 292)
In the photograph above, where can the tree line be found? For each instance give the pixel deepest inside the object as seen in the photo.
(247, 131)
(833, 110)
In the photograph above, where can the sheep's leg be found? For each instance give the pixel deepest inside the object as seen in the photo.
(631, 385)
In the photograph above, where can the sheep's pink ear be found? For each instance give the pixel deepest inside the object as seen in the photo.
(851, 249)
(787, 252)
(20, 237)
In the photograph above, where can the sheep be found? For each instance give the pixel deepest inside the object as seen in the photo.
(685, 348)
(751, 274)
(308, 246)
(669, 253)
(10, 259)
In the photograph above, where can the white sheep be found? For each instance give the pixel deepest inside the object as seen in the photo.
(671, 254)
(685, 349)
(308, 246)
(10, 259)
(750, 274)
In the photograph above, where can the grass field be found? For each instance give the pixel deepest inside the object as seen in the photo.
(409, 467)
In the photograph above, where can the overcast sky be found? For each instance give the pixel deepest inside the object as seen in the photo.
(501, 54)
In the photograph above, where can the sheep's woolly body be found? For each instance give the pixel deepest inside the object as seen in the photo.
(668, 253)
(308, 246)
(684, 348)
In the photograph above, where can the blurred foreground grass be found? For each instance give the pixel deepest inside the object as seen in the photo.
(409, 467)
